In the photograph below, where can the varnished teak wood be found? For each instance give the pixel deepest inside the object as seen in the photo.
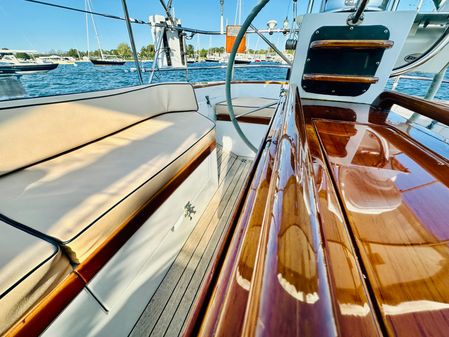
(340, 78)
(433, 110)
(394, 193)
(353, 44)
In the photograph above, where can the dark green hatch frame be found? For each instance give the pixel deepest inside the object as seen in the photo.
(343, 61)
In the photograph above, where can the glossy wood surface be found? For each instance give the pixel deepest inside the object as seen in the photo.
(433, 110)
(356, 315)
(290, 293)
(291, 268)
(354, 44)
(228, 304)
(395, 195)
(340, 78)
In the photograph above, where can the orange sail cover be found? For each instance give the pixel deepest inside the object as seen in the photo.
(231, 34)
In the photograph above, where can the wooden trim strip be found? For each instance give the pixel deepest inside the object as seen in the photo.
(355, 44)
(41, 316)
(245, 119)
(340, 78)
(226, 310)
(433, 110)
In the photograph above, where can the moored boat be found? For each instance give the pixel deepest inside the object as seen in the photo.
(242, 61)
(10, 64)
(58, 59)
(107, 62)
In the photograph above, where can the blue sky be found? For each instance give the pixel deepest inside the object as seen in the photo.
(33, 26)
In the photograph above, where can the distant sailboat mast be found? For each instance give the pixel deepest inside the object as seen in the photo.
(95, 28)
(102, 61)
(222, 16)
(87, 29)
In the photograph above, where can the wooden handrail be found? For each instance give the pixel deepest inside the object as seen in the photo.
(288, 276)
(340, 78)
(355, 44)
(433, 110)
(210, 295)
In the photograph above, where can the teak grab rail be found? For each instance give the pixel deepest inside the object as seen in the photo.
(355, 44)
(433, 110)
(340, 78)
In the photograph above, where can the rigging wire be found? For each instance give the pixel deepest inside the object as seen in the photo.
(110, 16)
(89, 6)
(87, 31)
(288, 9)
(132, 20)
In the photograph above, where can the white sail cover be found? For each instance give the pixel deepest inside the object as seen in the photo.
(170, 51)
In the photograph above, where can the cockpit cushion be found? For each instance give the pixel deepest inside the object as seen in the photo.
(80, 198)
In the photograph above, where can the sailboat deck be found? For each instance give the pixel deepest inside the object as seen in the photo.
(166, 312)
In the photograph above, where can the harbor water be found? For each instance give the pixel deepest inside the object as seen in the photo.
(84, 77)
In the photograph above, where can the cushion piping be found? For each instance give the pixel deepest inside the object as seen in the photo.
(93, 141)
(52, 239)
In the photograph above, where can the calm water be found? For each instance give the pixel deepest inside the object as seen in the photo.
(85, 77)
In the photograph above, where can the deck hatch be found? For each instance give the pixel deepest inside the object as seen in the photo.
(344, 60)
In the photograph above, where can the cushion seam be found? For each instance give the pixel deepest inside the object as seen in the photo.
(116, 204)
(93, 141)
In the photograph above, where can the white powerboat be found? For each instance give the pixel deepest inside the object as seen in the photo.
(10, 64)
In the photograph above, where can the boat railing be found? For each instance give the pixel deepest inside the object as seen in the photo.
(433, 110)
(413, 77)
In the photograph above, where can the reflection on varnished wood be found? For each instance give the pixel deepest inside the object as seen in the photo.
(330, 112)
(355, 314)
(227, 307)
(395, 194)
(289, 295)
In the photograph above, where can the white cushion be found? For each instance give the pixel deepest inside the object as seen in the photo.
(243, 105)
(29, 269)
(31, 133)
(82, 196)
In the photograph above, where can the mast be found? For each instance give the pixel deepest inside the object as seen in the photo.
(236, 11)
(95, 28)
(240, 12)
(222, 16)
(87, 28)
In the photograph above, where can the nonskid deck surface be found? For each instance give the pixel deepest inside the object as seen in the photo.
(166, 312)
